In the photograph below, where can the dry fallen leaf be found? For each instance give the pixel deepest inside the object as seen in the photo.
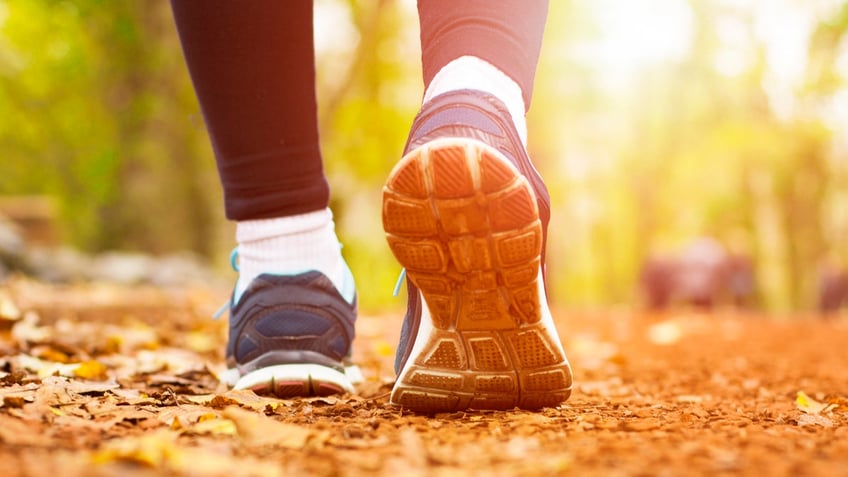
(814, 420)
(157, 449)
(9, 311)
(214, 425)
(26, 330)
(809, 405)
(92, 369)
(724, 403)
(49, 353)
(14, 401)
(15, 391)
(259, 430)
(200, 341)
(183, 416)
(838, 403)
(237, 397)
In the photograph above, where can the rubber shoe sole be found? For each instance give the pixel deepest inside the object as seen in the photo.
(297, 380)
(465, 224)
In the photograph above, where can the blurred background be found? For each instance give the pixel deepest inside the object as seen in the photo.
(670, 133)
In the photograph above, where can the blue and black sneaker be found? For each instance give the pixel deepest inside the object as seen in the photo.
(466, 215)
(291, 335)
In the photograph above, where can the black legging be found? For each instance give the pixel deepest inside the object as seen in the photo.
(253, 68)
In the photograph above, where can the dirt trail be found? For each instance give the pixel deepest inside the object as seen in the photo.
(99, 380)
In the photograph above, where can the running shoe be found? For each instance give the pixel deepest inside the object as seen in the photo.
(465, 213)
(291, 335)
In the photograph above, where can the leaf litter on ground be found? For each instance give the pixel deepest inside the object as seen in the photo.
(124, 380)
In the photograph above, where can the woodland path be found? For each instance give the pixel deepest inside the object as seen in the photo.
(105, 380)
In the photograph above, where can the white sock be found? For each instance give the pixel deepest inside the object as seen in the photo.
(471, 72)
(289, 246)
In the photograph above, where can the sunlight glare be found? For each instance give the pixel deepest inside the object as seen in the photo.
(633, 35)
(736, 53)
(334, 28)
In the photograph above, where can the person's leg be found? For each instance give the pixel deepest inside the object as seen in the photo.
(252, 65)
(253, 71)
(483, 45)
(466, 214)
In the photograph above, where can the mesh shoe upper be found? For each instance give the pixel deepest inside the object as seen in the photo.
(296, 319)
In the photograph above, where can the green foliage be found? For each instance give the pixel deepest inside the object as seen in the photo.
(686, 151)
(96, 109)
(95, 104)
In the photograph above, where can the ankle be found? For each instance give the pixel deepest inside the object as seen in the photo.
(471, 72)
(289, 246)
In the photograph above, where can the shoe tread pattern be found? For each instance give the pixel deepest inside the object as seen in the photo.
(465, 225)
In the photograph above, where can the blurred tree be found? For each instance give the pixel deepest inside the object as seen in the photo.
(694, 146)
(370, 89)
(826, 85)
(97, 105)
(96, 109)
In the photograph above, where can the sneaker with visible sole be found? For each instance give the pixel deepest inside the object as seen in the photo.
(465, 213)
(291, 335)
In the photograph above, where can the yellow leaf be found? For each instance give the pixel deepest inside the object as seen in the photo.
(807, 404)
(157, 449)
(50, 354)
(94, 370)
(207, 417)
(384, 349)
(113, 344)
(215, 426)
(201, 341)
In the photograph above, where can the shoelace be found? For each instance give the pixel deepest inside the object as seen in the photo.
(399, 281)
(226, 306)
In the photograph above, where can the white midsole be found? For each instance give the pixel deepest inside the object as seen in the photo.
(293, 372)
(425, 328)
